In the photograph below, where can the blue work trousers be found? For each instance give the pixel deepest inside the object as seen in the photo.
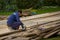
(15, 25)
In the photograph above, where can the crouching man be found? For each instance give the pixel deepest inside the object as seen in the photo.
(14, 21)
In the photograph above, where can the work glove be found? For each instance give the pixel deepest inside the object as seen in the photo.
(23, 28)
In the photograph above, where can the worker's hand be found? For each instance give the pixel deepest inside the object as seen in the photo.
(24, 28)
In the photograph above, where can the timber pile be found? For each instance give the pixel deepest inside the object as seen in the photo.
(35, 32)
(3, 17)
(44, 28)
(46, 33)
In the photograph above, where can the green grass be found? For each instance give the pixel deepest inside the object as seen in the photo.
(46, 10)
(5, 13)
(38, 11)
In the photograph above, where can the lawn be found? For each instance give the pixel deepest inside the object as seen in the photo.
(45, 9)
(5, 13)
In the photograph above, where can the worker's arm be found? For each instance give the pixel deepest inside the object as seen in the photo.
(17, 17)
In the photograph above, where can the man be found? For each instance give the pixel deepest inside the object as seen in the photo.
(14, 22)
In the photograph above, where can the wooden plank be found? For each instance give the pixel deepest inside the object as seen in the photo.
(42, 34)
(51, 34)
